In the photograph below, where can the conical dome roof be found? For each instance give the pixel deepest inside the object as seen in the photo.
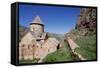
(37, 20)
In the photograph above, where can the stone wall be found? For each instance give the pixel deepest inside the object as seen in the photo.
(37, 29)
(31, 50)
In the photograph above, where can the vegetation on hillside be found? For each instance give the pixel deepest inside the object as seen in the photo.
(87, 43)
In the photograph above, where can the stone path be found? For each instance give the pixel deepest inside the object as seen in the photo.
(73, 45)
(79, 56)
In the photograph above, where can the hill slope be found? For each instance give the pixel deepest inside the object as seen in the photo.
(84, 33)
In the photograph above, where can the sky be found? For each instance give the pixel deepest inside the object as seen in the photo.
(56, 19)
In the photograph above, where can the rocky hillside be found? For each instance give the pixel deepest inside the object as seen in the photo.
(87, 19)
(84, 34)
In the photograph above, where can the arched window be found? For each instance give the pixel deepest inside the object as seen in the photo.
(33, 45)
(23, 45)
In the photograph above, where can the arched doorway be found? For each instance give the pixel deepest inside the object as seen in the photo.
(58, 46)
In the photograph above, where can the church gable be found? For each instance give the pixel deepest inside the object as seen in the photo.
(27, 39)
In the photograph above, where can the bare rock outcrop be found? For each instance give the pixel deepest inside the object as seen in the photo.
(87, 19)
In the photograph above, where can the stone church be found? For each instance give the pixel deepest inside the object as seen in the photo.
(36, 44)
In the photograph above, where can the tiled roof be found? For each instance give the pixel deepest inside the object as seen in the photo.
(37, 20)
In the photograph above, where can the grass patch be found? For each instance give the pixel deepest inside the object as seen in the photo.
(87, 43)
(63, 54)
(27, 61)
(87, 47)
